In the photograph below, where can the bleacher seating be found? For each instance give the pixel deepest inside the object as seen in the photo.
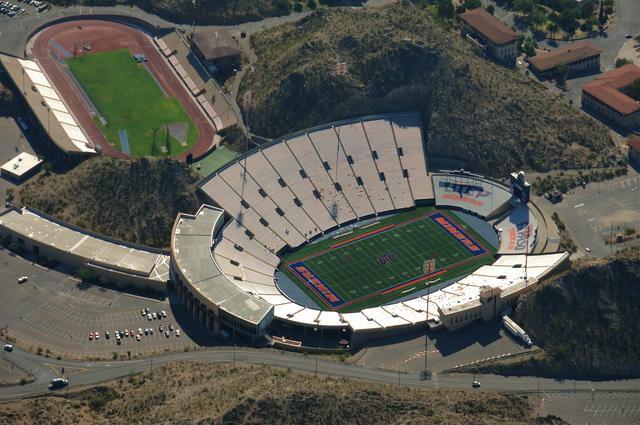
(331, 152)
(356, 148)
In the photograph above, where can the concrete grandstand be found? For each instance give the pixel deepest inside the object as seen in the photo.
(108, 259)
(313, 183)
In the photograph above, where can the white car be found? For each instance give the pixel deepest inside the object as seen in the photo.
(8, 347)
(164, 313)
(149, 317)
(177, 332)
(476, 384)
(23, 279)
(155, 316)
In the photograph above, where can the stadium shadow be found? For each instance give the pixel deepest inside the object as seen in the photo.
(483, 333)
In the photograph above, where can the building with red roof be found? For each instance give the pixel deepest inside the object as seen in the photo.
(606, 94)
(580, 56)
(488, 32)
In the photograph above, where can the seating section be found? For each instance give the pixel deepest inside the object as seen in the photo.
(309, 183)
(408, 138)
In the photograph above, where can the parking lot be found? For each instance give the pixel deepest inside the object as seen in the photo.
(478, 341)
(600, 210)
(594, 408)
(56, 314)
(11, 9)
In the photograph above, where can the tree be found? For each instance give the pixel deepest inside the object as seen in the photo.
(445, 9)
(491, 9)
(312, 4)
(568, 20)
(633, 91)
(472, 4)
(167, 143)
(529, 46)
(6, 99)
(552, 28)
(524, 6)
(561, 73)
(537, 17)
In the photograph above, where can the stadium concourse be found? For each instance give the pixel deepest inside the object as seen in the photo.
(314, 183)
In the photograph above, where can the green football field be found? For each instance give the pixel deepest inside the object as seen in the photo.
(135, 108)
(388, 260)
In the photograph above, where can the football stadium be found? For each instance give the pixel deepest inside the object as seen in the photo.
(334, 236)
(340, 233)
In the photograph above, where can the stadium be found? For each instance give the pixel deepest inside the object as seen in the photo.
(331, 237)
(339, 234)
(99, 85)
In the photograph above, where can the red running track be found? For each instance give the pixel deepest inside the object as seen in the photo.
(105, 36)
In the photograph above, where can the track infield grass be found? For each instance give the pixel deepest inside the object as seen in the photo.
(385, 261)
(129, 98)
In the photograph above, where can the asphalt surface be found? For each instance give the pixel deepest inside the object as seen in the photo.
(593, 213)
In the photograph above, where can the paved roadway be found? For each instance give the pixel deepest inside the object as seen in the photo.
(89, 373)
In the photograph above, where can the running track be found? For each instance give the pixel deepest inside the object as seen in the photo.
(104, 36)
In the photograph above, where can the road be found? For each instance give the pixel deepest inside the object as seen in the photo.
(89, 373)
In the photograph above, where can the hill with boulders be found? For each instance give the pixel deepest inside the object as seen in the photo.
(135, 200)
(398, 58)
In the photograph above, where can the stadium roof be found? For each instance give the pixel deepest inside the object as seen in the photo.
(565, 54)
(607, 89)
(215, 44)
(102, 252)
(191, 245)
(489, 26)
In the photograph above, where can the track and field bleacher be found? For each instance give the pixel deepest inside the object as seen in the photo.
(355, 145)
(236, 234)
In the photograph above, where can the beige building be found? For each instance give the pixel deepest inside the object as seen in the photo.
(607, 96)
(490, 33)
(582, 56)
(108, 260)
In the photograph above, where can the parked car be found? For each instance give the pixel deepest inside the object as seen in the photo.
(8, 347)
(90, 336)
(164, 313)
(177, 332)
(23, 279)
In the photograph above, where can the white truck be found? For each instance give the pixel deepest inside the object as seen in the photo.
(516, 331)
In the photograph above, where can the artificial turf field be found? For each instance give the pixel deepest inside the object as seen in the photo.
(385, 261)
(129, 98)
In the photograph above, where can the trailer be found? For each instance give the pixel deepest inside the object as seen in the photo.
(516, 331)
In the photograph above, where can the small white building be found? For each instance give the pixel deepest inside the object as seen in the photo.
(21, 167)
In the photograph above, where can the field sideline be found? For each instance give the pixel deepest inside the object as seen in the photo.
(385, 261)
(128, 97)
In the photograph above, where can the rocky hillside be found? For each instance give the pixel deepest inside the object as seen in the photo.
(588, 318)
(398, 58)
(132, 200)
(189, 393)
